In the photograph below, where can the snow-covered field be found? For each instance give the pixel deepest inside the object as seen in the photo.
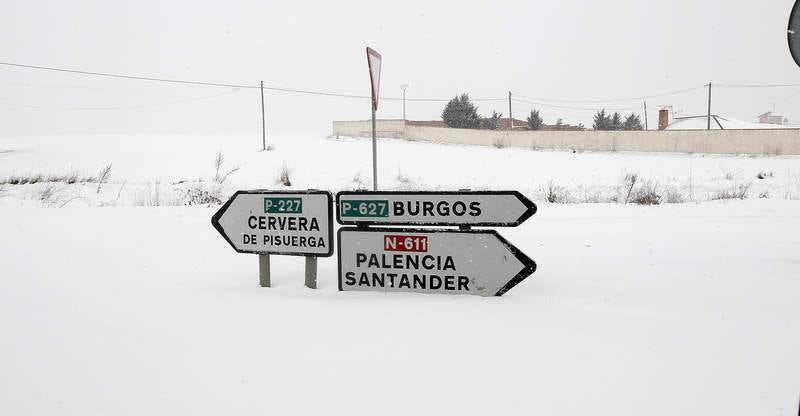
(112, 305)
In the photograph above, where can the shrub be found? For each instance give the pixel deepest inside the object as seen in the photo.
(492, 122)
(555, 194)
(461, 113)
(283, 176)
(105, 173)
(734, 192)
(535, 121)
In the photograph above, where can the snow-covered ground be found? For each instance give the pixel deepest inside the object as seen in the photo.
(107, 307)
(148, 168)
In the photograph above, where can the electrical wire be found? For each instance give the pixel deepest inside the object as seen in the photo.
(229, 85)
(755, 85)
(133, 107)
(644, 97)
(571, 107)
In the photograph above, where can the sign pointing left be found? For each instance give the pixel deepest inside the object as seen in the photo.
(298, 223)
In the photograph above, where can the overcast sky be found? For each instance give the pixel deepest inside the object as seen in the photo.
(551, 50)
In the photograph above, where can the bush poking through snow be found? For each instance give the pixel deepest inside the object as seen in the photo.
(646, 194)
(740, 192)
(673, 196)
(283, 176)
(219, 163)
(629, 182)
(499, 143)
(764, 175)
(49, 195)
(555, 194)
(103, 177)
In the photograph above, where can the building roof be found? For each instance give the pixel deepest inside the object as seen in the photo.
(719, 123)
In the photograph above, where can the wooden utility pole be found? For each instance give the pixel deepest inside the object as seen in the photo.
(645, 115)
(263, 121)
(510, 117)
(708, 117)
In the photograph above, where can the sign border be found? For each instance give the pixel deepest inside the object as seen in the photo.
(531, 208)
(529, 269)
(216, 217)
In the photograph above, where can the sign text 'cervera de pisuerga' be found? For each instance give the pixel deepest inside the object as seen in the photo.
(289, 222)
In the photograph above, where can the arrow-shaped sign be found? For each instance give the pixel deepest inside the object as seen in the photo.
(476, 262)
(296, 223)
(478, 208)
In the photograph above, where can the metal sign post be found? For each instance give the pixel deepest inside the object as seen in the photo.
(295, 223)
(374, 65)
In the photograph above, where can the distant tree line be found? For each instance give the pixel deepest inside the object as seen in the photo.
(604, 121)
(461, 113)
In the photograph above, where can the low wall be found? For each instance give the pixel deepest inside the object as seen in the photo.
(756, 142)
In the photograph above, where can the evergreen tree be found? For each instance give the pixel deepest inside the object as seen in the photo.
(535, 121)
(632, 122)
(461, 113)
(616, 121)
(602, 121)
(491, 123)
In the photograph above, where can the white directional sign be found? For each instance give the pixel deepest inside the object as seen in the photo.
(476, 262)
(479, 208)
(288, 222)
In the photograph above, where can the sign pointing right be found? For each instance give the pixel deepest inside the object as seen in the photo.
(476, 208)
(475, 262)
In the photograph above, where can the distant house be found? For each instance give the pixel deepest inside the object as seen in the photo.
(718, 123)
(773, 118)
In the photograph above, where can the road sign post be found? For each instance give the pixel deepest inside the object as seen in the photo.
(374, 64)
(295, 223)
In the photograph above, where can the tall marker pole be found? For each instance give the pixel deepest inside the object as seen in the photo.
(510, 118)
(645, 115)
(374, 154)
(263, 122)
(708, 118)
(374, 65)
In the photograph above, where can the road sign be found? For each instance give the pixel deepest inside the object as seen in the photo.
(476, 262)
(374, 65)
(298, 223)
(478, 208)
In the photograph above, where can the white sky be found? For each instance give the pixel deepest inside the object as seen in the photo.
(565, 49)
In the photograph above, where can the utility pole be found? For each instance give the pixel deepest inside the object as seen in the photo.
(263, 124)
(645, 115)
(510, 117)
(374, 154)
(404, 87)
(708, 117)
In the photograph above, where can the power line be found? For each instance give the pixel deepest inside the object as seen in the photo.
(664, 94)
(756, 85)
(227, 85)
(132, 107)
(571, 107)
